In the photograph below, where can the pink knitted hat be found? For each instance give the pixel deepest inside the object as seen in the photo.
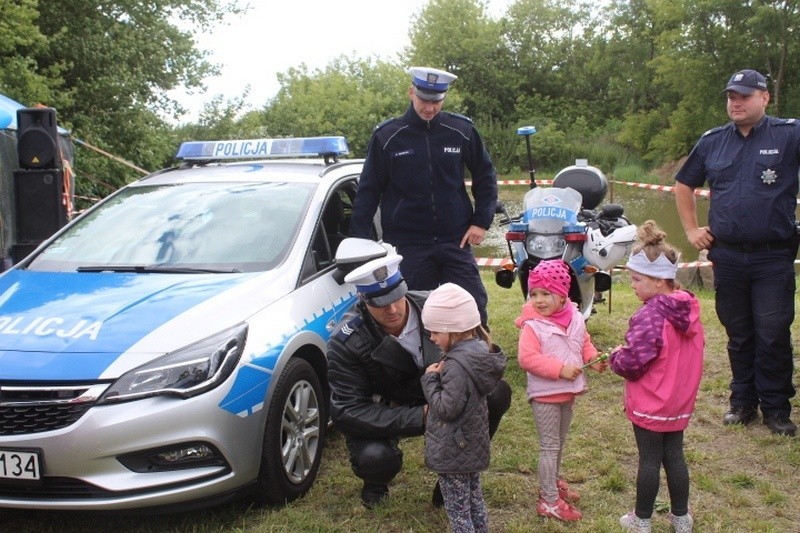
(450, 309)
(552, 275)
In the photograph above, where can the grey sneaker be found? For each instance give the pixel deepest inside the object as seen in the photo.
(631, 522)
(682, 524)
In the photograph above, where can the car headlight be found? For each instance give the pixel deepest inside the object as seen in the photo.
(546, 246)
(187, 372)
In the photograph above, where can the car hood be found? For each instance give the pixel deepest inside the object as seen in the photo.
(72, 326)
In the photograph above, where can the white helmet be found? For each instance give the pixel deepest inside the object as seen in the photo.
(606, 251)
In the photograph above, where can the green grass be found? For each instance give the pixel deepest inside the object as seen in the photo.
(743, 479)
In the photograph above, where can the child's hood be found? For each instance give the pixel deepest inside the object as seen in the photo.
(484, 365)
(679, 308)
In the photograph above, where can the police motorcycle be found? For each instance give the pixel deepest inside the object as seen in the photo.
(564, 221)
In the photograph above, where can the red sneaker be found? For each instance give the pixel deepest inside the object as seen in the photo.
(560, 510)
(566, 493)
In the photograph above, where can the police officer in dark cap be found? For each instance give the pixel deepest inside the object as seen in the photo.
(376, 357)
(751, 166)
(414, 170)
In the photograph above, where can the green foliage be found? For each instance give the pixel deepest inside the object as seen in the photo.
(349, 97)
(20, 41)
(474, 51)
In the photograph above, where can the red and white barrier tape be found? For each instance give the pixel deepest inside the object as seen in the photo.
(665, 188)
(498, 262)
(517, 182)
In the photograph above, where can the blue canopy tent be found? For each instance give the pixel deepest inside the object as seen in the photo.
(9, 162)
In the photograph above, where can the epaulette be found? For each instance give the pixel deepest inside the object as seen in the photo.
(385, 122)
(775, 121)
(347, 329)
(714, 130)
(457, 115)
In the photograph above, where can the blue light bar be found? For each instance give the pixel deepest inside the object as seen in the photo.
(262, 148)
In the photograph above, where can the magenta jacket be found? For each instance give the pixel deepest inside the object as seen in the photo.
(662, 362)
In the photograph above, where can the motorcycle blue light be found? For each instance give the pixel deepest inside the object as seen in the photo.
(526, 130)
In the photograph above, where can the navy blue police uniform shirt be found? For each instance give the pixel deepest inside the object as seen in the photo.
(414, 169)
(753, 180)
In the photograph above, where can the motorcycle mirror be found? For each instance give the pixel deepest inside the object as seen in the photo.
(505, 278)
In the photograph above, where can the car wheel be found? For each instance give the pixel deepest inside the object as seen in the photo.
(294, 435)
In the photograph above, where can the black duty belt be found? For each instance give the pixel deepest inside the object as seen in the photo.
(754, 247)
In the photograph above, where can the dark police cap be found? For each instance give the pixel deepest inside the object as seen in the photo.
(746, 82)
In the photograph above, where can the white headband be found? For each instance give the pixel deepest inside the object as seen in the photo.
(661, 268)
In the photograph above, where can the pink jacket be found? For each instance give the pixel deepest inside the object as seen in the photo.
(545, 347)
(662, 362)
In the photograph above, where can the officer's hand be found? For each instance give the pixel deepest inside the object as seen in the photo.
(474, 236)
(701, 238)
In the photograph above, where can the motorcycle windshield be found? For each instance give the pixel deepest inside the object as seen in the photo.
(549, 209)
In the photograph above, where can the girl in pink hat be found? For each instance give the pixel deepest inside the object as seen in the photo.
(554, 347)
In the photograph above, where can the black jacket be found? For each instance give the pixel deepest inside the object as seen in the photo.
(375, 383)
(414, 170)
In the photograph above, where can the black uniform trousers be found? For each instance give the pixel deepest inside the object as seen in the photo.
(378, 460)
(425, 267)
(755, 293)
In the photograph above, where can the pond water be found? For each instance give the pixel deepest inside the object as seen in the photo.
(640, 205)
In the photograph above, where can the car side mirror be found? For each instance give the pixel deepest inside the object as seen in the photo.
(354, 252)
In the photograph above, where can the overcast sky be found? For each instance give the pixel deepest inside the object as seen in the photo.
(278, 34)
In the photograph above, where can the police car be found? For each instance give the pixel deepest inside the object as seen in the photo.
(167, 347)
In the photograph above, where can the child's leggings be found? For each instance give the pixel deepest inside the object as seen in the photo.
(656, 449)
(552, 423)
(463, 501)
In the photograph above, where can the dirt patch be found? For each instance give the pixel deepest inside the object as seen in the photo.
(666, 172)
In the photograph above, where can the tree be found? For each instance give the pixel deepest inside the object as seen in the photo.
(20, 42)
(348, 97)
(460, 37)
(118, 59)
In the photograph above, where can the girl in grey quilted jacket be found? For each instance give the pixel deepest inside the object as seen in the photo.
(457, 427)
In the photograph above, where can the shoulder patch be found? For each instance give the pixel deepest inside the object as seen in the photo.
(774, 121)
(462, 117)
(714, 130)
(348, 328)
(385, 122)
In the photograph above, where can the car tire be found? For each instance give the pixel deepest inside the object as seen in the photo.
(294, 435)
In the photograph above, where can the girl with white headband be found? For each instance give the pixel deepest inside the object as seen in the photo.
(662, 363)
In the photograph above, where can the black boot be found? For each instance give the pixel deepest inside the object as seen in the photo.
(373, 494)
(437, 499)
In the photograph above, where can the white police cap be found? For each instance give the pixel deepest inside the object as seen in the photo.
(430, 83)
(379, 281)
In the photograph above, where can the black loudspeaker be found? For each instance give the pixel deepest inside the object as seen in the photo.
(40, 211)
(37, 138)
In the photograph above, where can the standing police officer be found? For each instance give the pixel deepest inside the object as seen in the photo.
(376, 357)
(414, 170)
(751, 165)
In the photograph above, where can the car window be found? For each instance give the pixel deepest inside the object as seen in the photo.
(331, 230)
(241, 227)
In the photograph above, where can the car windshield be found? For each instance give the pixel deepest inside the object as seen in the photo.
(195, 227)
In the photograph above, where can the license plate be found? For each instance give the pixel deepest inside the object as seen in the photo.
(20, 465)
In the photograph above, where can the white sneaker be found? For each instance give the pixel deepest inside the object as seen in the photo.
(633, 523)
(682, 524)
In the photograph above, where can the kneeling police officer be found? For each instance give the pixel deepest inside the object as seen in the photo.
(376, 356)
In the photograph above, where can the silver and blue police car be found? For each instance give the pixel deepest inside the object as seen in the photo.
(167, 347)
